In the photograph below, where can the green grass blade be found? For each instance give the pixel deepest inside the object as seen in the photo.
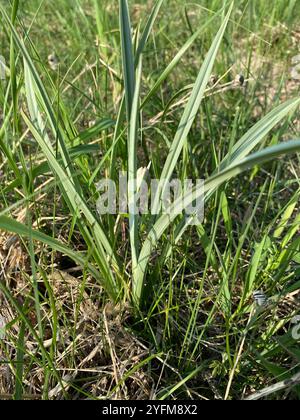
(180, 384)
(78, 204)
(132, 173)
(13, 76)
(42, 91)
(10, 225)
(67, 181)
(286, 217)
(258, 132)
(99, 126)
(244, 146)
(20, 310)
(127, 56)
(210, 185)
(147, 31)
(190, 112)
(20, 363)
(172, 65)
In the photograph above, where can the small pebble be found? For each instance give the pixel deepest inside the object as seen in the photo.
(240, 79)
(53, 62)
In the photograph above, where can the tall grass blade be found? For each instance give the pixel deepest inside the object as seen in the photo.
(258, 132)
(77, 203)
(190, 112)
(243, 147)
(10, 225)
(147, 31)
(132, 173)
(210, 185)
(127, 56)
(172, 65)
